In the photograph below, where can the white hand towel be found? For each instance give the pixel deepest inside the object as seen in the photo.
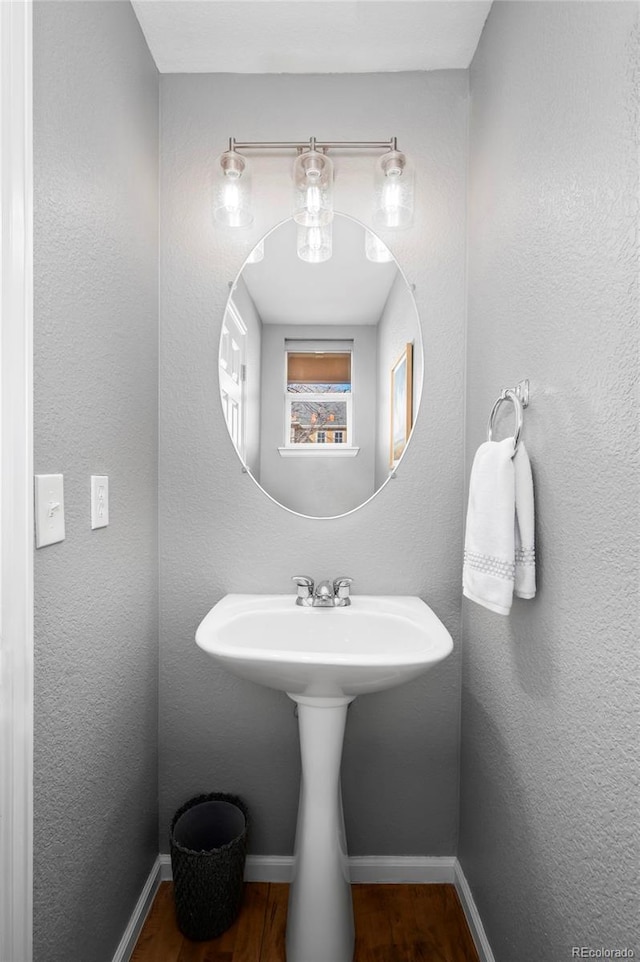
(499, 535)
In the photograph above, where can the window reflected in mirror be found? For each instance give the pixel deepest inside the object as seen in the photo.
(320, 375)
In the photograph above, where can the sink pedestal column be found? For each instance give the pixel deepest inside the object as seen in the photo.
(320, 918)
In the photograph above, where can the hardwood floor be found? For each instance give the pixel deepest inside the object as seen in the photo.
(394, 923)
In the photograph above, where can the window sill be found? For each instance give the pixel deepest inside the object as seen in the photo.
(319, 451)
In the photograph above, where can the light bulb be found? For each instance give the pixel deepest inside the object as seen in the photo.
(315, 244)
(393, 206)
(392, 196)
(314, 235)
(313, 189)
(314, 200)
(231, 196)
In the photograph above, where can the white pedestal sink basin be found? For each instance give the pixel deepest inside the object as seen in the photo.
(323, 658)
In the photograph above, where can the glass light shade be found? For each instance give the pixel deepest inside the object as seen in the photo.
(315, 244)
(313, 189)
(375, 249)
(393, 198)
(257, 254)
(232, 191)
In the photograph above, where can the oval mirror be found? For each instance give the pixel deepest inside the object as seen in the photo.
(320, 366)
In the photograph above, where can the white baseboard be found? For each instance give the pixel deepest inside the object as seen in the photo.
(472, 915)
(257, 868)
(418, 869)
(362, 868)
(374, 869)
(268, 868)
(140, 912)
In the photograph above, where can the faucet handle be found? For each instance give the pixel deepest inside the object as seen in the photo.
(305, 587)
(341, 587)
(303, 581)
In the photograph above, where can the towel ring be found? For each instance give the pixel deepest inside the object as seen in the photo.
(507, 395)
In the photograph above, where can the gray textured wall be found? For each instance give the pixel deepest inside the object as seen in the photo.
(96, 310)
(549, 815)
(220, 533)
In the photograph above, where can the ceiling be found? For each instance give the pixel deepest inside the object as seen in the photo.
(311, 36)
(347, 289)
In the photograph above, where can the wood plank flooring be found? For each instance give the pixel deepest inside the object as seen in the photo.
(394, 923)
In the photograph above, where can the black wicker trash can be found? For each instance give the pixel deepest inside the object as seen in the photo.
(208, 849)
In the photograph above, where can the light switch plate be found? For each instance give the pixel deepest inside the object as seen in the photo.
(99, 501)
(49, 509)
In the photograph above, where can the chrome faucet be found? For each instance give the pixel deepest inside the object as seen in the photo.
(328, 594)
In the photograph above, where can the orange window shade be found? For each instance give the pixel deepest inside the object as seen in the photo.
(307, 368)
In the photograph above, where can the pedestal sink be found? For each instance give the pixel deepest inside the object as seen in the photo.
(323, 658)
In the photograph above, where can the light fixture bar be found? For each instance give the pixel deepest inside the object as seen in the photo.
(391, 144)
(313, 184)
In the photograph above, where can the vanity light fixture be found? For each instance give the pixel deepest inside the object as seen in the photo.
(313, 190)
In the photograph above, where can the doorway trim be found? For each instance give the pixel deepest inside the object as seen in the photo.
(16, 484)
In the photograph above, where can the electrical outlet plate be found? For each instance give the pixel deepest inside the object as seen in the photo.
(99, 501)
(49, 509)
